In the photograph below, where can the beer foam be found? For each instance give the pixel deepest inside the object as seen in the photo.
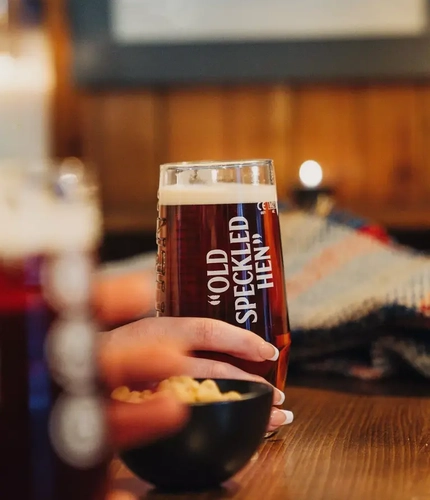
(36, 223)
(222, 193)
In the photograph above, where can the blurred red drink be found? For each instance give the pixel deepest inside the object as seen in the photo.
(52, 429)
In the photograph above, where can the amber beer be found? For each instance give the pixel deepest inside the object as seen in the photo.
(52, 427)
(220, 255)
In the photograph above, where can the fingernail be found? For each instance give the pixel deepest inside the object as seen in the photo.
(269, 351)
(279, 397)
(281, 417)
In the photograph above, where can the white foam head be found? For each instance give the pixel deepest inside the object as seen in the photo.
(221, 193)
(34, 221)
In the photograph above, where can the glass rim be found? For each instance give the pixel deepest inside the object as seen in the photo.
(61, 176)
(43, 163)
(217, 164)
(49, 167)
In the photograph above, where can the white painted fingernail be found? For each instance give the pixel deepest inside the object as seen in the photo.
(289, 416)
(280, 397)
(269, 351)
(281, 417)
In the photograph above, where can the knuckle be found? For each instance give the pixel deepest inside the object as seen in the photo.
(251, 345)
(206, 332)
(219, 370)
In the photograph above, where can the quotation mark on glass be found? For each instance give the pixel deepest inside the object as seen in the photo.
(214, 300)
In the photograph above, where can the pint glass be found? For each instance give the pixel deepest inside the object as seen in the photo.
(52, 429)
(219, 252)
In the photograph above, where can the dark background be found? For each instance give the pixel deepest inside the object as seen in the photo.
(117, 246)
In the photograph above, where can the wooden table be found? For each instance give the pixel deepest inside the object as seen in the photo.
(349, 441)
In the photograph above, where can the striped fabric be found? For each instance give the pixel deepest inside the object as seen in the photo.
(359, 303)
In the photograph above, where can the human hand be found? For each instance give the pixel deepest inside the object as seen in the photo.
(144, 351)
(136, 361)
(141, 360)
(203, 334)
(124, 297)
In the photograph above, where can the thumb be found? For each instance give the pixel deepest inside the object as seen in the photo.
(121, 495)
(124, 297)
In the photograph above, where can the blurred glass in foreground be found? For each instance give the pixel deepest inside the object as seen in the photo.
(52, 426)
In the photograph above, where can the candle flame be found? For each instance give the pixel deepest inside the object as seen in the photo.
(310, 174)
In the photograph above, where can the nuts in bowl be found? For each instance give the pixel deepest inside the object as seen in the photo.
(186, 389)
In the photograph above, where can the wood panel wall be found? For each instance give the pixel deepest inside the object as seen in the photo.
(372, 140)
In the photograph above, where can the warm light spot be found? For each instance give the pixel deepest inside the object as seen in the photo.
(310, 174)
(30, 68)
(3, 11)
(7, 67)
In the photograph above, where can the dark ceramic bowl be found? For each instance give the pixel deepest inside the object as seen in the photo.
(217, 441)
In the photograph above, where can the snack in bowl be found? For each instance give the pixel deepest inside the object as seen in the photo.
(227, 422)
(186, 389)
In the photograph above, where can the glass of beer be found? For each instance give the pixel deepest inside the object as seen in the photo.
(219, 253)
(52, 427)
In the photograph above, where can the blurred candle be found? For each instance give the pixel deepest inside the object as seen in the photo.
(312, 194)
(26, 84)
(310, 174)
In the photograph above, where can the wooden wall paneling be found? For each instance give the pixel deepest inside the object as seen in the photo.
(326, 129)
(123, 140)
(373, 141)
(193, 124)
(66, 102)
(257, 124)
(92, 140)
(424, 110)
(393, 145)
